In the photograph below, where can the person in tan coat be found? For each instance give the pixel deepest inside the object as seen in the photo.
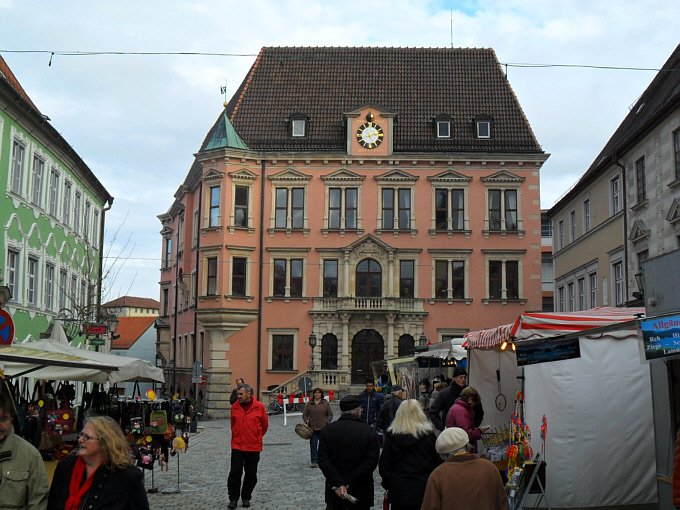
(464, 481)
(317, 415)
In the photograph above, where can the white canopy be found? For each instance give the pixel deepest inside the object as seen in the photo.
(128, 369)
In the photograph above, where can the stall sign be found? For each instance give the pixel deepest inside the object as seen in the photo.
(547, 350)
(97, 341)
(94, 329)
(661, 337)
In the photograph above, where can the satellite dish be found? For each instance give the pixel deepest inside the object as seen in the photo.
(305, 385)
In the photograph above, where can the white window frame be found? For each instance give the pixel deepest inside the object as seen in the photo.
(298, 128)
(570, 296)
(50, 279)
(17, 167)
(592, 289)
(503, 189)
(248, 210)
(95, 228)
(287, 254)
(504, 257)
(618, 283)
(560, 234)
(572, 225)
(448, 256)
(581, 284)
(53, 198)
(615, 194)
(343, 207)
(240, 252)
(86, 219)
(289, 206)
(444, 129)
(32, 277)
(13, 259)
(63, 288)
(37, 180)
(586, 216)
(560, 298)
(76, 211)
(210, 206)
(66, 202)
(483, 134)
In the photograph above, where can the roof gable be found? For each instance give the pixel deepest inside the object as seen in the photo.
(449, 176)
(396, 176)
(415, 84)
(130, 329)
(343, 175)
(503, 176)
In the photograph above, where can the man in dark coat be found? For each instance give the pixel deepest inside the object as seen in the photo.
(446, 398)
(388, 410)
(348, 455)
(371, 401)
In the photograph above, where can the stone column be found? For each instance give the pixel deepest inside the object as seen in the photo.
(344, 360)
(390, 334)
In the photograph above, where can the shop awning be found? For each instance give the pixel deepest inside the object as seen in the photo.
(488, 338)
(435, 353)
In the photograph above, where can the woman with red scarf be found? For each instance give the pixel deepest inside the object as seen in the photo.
(101, 474)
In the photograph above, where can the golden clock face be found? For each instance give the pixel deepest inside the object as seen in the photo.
(370, 135)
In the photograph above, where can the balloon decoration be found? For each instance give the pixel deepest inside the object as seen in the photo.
(151, 395)
(520, 436)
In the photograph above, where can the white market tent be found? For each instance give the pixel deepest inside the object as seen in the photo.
(600, 444)
(124, 368)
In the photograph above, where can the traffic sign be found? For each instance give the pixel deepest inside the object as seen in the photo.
(6, 328)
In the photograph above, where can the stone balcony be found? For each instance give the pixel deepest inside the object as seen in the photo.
(368, 305)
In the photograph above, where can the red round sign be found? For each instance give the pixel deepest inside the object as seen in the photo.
(6, 328)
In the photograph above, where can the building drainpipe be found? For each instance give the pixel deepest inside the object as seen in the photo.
(174, 314)
(198, 244)
(615, 161)
(260, 283)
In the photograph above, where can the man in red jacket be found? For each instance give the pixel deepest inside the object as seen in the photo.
(248, 424)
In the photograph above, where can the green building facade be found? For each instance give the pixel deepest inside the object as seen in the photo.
(52, 210)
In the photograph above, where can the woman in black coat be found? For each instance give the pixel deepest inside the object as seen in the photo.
(100, 475)
(408, 457)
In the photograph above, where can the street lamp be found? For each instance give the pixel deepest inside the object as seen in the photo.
(423, 339)
(312, 344)
(5, 294)
(640, 294)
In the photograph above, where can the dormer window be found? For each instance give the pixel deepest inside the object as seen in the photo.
(442, 125)
(483, 126)
(298, 125)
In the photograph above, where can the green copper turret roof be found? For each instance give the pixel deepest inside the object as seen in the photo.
(224, 135)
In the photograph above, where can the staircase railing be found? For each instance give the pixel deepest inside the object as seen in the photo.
(324, 379)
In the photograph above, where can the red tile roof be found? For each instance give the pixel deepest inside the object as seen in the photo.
(130, 329)
(416, 83)
(128, 301)
(7, 73)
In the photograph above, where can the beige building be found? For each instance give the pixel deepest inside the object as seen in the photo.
(130, 306)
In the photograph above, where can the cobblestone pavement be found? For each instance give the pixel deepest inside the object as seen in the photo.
(285, 480)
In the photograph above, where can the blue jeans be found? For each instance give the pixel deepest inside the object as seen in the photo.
(313, 445)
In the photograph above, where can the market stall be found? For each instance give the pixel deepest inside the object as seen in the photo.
(581, 370)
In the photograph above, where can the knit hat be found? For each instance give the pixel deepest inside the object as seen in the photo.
(459, 371)
(451, 439)
(349, 402)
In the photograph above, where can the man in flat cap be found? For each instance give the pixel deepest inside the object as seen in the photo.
(464, 481)
(348, 455)
(388, 410)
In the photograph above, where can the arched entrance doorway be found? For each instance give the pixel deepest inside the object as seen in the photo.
(367, 346)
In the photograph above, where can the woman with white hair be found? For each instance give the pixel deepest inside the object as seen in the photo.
(464, 481)
(408, 457)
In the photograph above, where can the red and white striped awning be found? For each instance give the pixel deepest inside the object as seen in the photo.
(487, 338)
(532, 326)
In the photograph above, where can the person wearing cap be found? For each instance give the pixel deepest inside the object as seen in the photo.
(389, 409)
(439, 409)
(23, 480)
(348, 454)
(464, 481)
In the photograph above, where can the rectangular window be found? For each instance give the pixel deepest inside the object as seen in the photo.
(76, 212)
(483, 129)
(238, 276)
(298, 128)
(166, 302)
(54, 193)
(63, 288)
(330, 278)
(95, 228)
(211, 280)
(86, 220)
(441, 279)
(449, 205)
(503, 205)
(17, 176)
(280, 277)
(406, 279)
(572, 226)
(167, 260)
(298, 207)
(281, 208)
(66, 210)
(12, 272)
(586, 215)
(676, 145)
(84, 302)
(443, 129)
(615, 185)
(546, 227)
(214, 218)
(560, 234)
(74, 291)
(37, 180)
(195, 227)
(342, 201)
(458, 279)
(592, 280)
(32, 281)
(49, 286)
(496, 279)
(560, 299)
(241, 206)
(570, 296)
(581, 293)
(296, 277)
(641, 180)
(396, 203)
(618, 283)
(282, 352)
(547, 268)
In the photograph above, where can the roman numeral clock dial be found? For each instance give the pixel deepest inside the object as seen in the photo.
(370, 134)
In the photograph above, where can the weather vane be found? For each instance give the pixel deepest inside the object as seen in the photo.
(223, 90)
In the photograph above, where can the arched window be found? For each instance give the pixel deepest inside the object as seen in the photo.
(369, 279)
(406, 345)
(329, 352)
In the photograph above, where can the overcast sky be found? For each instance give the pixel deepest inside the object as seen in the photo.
(137, 120)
